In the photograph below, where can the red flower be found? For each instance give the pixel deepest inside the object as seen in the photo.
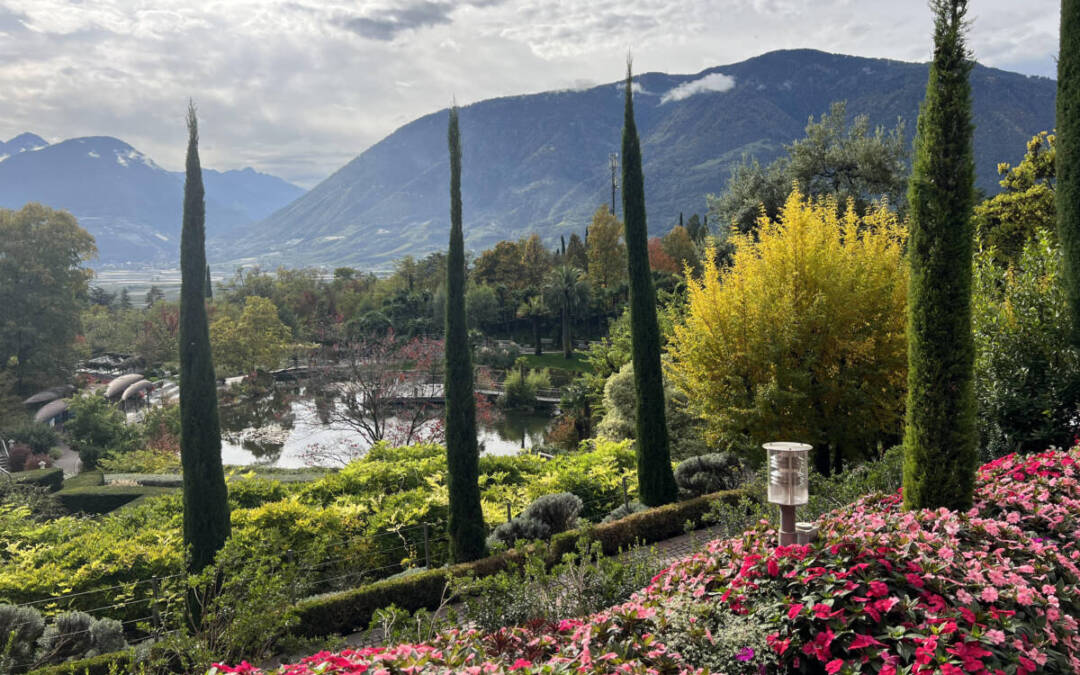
(862, 641)
(834, 666)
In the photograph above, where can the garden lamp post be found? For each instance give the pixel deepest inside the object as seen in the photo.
(789, 478)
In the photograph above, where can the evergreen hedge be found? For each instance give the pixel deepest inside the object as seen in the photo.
(940, 435)
(350, 610)
(52, 478)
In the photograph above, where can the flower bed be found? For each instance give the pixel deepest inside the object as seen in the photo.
(992, 590)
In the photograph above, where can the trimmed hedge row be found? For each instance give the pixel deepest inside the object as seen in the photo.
(105, 498)
(85, 479)
(104, 664)
(345, 611)
(51, 478)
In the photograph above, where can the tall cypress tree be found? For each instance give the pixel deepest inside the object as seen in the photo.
(656, 483)
(462, 455)
(206, 509)
(1068, 154)
(209, 285)
(940, 437)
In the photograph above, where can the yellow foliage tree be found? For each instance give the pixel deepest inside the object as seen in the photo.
(803, 337)
(257, 339)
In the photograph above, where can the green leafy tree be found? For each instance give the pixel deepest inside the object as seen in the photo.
(153, 295)
(481, 306)
(256, 340)
(534, 310)
(1027, 372)
(680, 246)
(1068, 155)
(97, 428)
(656, 482)
(1009, 219)
(566, 291)
(576, 255)
(43, 286)
(125, 298)
(206, 507)
(847, 162)
(940, 435)
(606, 250)
(466, 524)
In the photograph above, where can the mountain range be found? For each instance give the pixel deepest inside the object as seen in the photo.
(540, 163)
(532, 163)
(131, 205)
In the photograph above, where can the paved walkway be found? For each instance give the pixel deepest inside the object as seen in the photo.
(69, 460)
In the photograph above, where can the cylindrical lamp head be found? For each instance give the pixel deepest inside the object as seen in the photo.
(789, 473)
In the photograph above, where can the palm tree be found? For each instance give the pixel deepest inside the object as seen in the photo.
(566, 290)
(534, 309)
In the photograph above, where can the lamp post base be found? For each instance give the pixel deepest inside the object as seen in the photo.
(787, 525)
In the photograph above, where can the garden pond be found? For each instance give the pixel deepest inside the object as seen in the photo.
(286, 429)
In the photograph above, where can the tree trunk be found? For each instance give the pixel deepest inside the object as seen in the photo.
(566, 346)
(536, 336)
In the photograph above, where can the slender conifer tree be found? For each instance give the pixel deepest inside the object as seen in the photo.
(940, 437)
(656, 482)
(206, 509)
(1068, 155)
(209, 285)
(462, 455)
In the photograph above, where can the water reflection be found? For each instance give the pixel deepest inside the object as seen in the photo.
(279, 429)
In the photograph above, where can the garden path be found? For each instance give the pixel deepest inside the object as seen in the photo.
(69, 460)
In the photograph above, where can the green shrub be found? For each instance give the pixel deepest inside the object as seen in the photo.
(39, 436)
(519, 529)
(106, 498)
(1027, 373)
(40, 503)
(249, 492)
(624, 510)
(85, 479)
(703, 474)
(346, 611)
(98, 428)
(51, 478)
(20, 629)
(73, 635)
(581, 582)
(559, 512)
(143, 460)
(104, 664)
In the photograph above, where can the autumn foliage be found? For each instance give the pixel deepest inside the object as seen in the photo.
(803, 336)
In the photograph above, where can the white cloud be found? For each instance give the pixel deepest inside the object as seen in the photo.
(711, 82)
(298, 87)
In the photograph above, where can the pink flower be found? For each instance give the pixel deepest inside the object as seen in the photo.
(989, 594)
(834, 666)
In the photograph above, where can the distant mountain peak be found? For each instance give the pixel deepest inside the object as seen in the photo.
(538, 163)
(24, 142)
(131, 205)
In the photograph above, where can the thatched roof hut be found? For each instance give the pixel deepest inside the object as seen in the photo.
(51, 410)
(120, 384)
(50, 394)
(133, 390)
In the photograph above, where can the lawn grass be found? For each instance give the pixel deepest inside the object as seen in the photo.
(555, 361)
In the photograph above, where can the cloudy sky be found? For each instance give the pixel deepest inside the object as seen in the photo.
(299, 87)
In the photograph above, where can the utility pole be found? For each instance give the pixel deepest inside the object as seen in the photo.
(614, 161)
